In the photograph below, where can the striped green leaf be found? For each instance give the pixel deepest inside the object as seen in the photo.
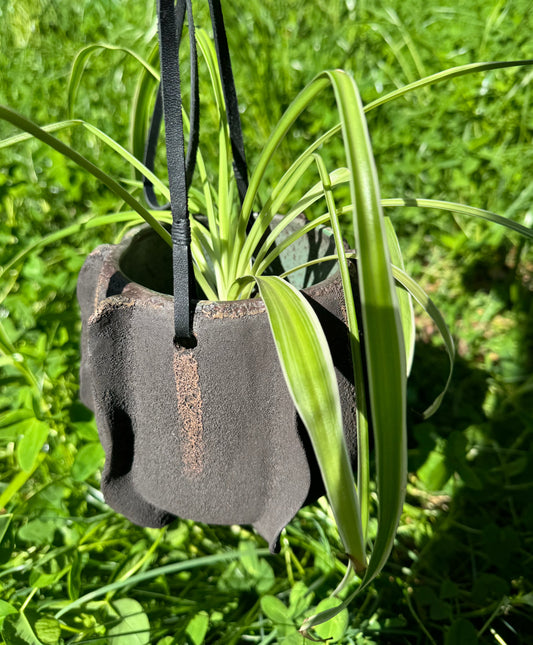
(404, 298)
(363, 461)
(462, 209)
(382, 332)
(308, 368)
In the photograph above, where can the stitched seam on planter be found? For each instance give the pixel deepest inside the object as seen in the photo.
(189, 400)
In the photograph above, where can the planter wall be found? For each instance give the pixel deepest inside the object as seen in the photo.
(208, 432)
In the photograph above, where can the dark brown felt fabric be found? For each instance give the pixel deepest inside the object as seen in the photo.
(207, 433)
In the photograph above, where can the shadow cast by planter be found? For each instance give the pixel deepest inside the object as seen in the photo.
(209, 432)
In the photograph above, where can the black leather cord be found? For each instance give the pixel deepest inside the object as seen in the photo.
(169, 39)
(230, 97)
(157, 116)
(168, 105)
(150, 152)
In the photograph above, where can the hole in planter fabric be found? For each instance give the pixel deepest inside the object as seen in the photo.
(123, 443)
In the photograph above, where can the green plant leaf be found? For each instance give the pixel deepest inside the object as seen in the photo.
(416, 291)
(6, 609)
(382, 333)
(306, 96)
(31, 443)
(197, 628)
(84, 224)
(445, 75)
(434, 472)
(104, 138)
(74, 576)
(429, 306)
(308, 369)
(275, 609)
(5, 521)
(142, 104)
(41, 579)
(462, 209)
(88, 459)
(133, 626)
(257, 569)
(18, 481)
(38, 532)
(337, 177)
(48, 630)
(461, 632)
(300, 598)
(17, 630)
(334, 629)
(363, 457)
(404, 297)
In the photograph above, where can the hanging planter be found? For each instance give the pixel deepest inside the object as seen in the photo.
(206, 431)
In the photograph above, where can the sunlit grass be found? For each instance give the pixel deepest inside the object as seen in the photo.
(460, 149)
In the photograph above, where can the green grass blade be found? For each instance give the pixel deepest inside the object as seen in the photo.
(82, 59)
(445, 75)
(86, 224)
(142, 105)
(25, 124)
(104, 138)
(310, 376)
(382, 333)
(168, 569)
(462, 209)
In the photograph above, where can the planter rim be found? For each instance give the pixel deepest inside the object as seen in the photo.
(142, 294)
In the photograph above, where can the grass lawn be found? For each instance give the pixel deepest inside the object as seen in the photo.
(461, 572)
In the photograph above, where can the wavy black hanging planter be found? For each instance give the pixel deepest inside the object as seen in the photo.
(206, 432)
(189, 397)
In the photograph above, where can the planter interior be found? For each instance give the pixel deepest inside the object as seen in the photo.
(147, 259)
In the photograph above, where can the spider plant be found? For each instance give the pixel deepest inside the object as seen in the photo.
(231, 258)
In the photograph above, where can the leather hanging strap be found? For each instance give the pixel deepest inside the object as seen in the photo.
(230, 97)
(168, 105)
(157, 116)
(169, 40)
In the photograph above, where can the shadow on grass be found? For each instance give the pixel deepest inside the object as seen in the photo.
(467, 536)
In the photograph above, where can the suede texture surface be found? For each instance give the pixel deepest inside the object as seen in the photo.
(209, 432)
